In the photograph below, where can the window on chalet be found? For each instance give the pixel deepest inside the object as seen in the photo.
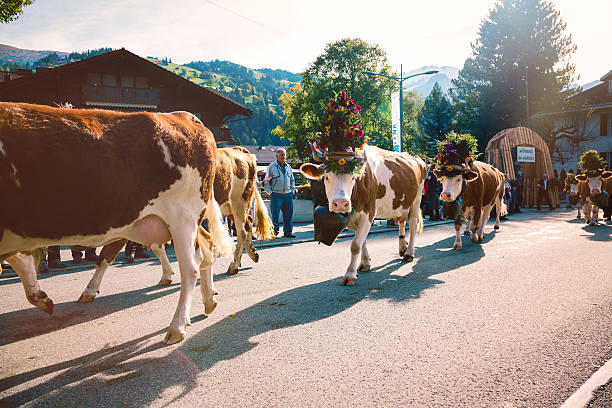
(94, 79)
(603, 124)
(141, 82)
(109, 80)
(127, 81)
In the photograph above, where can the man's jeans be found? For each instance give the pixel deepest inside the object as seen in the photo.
(282, 202)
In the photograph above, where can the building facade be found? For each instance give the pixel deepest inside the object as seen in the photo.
(585, 124)
(121, 80)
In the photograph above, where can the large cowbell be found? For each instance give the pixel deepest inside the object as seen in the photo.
(600, 200)
(328, 225)
(451, 210)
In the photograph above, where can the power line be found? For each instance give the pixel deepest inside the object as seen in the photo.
(244, 17)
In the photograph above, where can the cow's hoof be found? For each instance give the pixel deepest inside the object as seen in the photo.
(41, 301)
(364, 267)
(232, 271)
(348, 281)
(172, 338)
(210, 306)
(408, 258)
(479, 239)
(496, 227)
(87, 297)
(188, 322)
(402, 251)
(255, 257)
(466, 232)
(164, 282)
(457, 246)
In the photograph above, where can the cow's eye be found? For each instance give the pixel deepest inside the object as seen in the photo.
(324, 178)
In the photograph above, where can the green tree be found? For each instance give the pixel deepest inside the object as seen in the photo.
(11, 9)
(434, 118)
(521, 49)
(339, 68)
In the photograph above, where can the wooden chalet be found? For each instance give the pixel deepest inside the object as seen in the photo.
(121, 80)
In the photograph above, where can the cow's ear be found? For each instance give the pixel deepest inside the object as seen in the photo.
(606, 175)
(581, 177)
(312, 171)
(470, 175)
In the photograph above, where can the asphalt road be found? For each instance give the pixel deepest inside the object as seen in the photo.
(521, 320)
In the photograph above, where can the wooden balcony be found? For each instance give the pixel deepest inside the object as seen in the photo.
(110, 96)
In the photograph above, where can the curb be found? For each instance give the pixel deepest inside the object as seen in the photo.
(279, 242)
(585, 394)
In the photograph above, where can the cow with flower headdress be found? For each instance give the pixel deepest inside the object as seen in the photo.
(591, 187)
(362, 183)
(470, 188)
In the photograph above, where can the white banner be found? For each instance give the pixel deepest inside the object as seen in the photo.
(525, 154)
(395, 121)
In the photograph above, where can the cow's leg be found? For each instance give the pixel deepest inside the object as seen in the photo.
(416, 225)
(468, 227)
(586, 209)
(361, 233)
(499, 211)
(477, 217)
(189, 258)
(458, 244)
(486, 212)
(167, 272)
(207, 286)
(248, 226)
(594, 215)
(239, 220)
(578, 214)
(106, 257)
(403, 246)
(23, 263)
(366, 261)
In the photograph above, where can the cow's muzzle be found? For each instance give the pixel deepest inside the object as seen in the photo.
(340, 205)
(444, 196)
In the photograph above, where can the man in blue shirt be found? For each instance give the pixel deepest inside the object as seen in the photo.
(280, 184)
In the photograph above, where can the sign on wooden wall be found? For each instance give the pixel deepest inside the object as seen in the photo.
(525, 154)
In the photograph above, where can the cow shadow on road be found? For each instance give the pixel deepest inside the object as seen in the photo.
(601, 232)
(129, 374)
(31, 322)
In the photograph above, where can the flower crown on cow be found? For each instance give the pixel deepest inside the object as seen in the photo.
(569, 180)
(455, 153)
(591, 163)
(341, 135)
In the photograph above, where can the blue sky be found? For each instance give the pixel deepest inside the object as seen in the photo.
(290, 34)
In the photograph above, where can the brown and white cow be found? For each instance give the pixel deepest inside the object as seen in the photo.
(574, 196)
(389, 187)
(591, 184)
(481, 187)
(234, 189)
(142, 176)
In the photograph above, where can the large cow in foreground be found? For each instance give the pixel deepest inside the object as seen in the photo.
(389, 186)
(590, 187)
(480, 187)
(234, 189)
(92, 177)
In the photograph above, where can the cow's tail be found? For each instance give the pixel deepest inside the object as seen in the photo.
(220, 235)
(419, 221)
(503, 210)
(264, 228)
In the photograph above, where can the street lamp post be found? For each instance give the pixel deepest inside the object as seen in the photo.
(400, 80)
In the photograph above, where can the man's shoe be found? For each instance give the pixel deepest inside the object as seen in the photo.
(289, 236)
(129, 259)
(77, 260)
(55, 264)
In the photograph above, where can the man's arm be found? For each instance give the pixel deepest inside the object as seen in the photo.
(268, 179)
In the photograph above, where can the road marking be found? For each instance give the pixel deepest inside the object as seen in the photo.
(584, 394)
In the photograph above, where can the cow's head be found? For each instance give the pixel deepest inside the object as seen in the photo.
(595, 179)
(338, 185)
(452, 178)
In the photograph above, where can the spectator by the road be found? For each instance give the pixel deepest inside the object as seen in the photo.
(520, 184)
(433, 196)
(280, 184)
(134, 250)
(54, 258)
(77, 254)
(507, 195)
(544, 187)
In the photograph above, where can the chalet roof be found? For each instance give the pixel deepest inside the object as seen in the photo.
(264, 154)
(606, 77)
(229, 106)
